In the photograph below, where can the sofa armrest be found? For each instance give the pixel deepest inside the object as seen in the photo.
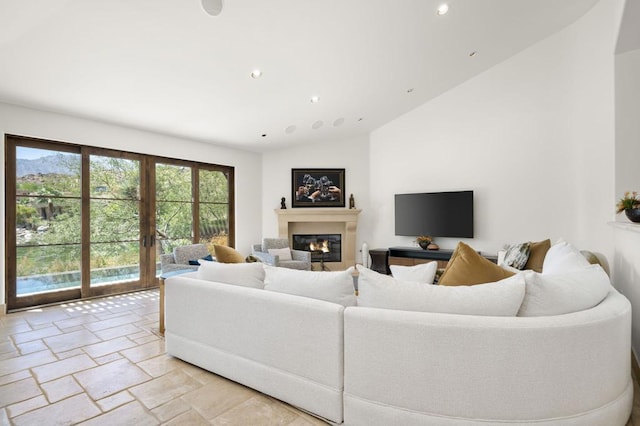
(267, 258)
(302, 255)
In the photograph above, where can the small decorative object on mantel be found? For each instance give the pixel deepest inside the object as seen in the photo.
(433, 246)
(424, 241)
(283, 205)
(352, 202)
(630, 205)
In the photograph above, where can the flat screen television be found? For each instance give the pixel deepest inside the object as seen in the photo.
(437, 214)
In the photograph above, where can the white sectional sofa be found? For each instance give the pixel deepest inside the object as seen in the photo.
(372, 366)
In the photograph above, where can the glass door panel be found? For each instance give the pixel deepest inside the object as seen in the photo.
(213, 208)
(174, 207)
(47, 220)
(114, 206)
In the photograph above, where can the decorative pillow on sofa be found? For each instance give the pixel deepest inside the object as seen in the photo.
(563, 257)
(422, 273)
(226, 254)
(537, 254)
(467, 267)
(335, 287)
(207, 258)
(242, 274)
(517, 255)
(282, 253)
(563, 293)
(502, 298)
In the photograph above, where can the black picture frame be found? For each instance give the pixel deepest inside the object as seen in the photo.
(317, 187)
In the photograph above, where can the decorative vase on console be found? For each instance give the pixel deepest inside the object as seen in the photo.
(630, 205)
(424, 241)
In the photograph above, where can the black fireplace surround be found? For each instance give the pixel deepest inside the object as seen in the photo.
(314, 243)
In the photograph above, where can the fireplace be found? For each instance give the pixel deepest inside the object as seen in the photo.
(323, 247)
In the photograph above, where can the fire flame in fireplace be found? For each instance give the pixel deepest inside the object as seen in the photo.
(322, 246)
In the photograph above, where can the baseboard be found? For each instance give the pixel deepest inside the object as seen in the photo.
(3, 309)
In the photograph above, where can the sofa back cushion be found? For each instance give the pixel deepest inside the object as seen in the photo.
(467, 267)
(502, 298)
(241, 274)
(335, 287)
(564, 292)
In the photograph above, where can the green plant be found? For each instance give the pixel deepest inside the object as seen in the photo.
(629, 201)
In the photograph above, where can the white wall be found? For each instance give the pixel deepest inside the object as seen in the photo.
(533, 137)
(28, 122)
(350, 154)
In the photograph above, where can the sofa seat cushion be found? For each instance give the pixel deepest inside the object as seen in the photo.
(335, 287)
(467, 267)
(502, 298)
(241, 274)
(564, 292)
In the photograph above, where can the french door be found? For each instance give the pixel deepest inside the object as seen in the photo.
(84, 221)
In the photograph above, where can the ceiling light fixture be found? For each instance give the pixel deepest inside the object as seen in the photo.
(474, 53)
(290, 129)
(317, 125)
(314, 99)
(256, 73)
(410, 90)
(338, 122)
(212, 7)
(442, 9)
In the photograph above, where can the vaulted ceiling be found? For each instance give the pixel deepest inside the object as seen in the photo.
(170, 67)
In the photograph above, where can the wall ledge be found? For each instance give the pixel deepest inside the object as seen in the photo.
(627, 226)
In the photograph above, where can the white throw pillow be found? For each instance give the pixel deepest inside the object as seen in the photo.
(241, 274)
(423, 273)
(563, 257)
(335, 287)
(283, 253)
(563, 293)
(501, 298)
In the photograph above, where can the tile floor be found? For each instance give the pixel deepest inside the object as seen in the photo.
(102, 362)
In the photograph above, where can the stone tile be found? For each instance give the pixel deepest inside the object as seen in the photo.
(146, 339)
(68, 411)
(55, 370)
(133, 412)
(24, 362)
(146, 351)
(108, 358)
(36, 334)
(119, 331)
(171, 409)
(159, 365)
(18, 391)
(43, 316)
(30, 347)
(217, 397)
(163, 389)
(256, 411)
(191, 418)
(71, 353)
(113, 401)
(75, 321)
(61, 388)
(110, 346)
(14, 377)
(69, 341)
(140, 334)
(7, 346)
(72, 329)
(9, 355)
(26, 406)
(111, 378)
(113, 322)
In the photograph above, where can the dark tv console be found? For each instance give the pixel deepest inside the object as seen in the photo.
(410, 256)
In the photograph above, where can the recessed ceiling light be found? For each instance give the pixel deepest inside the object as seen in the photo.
(290, 129)
(360, 119)
(264, 135)
(314, 99)
(338, 122)
(256, 74)
(317, 125)
(212, 7)
(474, 53)
(442, 9)
(410, 90)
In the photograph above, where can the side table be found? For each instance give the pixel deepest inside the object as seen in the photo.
(162, 278)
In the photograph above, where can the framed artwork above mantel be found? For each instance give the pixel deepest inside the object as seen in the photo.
(317, 187)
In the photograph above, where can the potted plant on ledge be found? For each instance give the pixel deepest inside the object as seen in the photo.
(630, 205)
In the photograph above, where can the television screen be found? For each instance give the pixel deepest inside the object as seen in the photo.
(437, 214)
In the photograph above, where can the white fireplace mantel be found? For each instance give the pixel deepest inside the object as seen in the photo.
(322, 220)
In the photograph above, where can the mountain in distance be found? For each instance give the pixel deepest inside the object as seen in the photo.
(58, 163)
